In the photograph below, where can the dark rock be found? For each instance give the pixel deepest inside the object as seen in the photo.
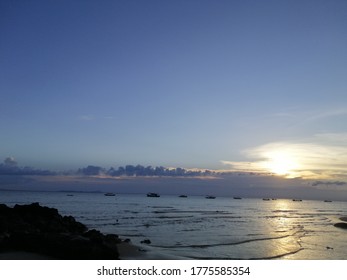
(146, 241)
(42, 230)
(94, 235)
(112, 238)
(341, 225)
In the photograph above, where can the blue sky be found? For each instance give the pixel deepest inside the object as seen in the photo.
(195, 84)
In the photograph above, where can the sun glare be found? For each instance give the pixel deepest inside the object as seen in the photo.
(281, 163)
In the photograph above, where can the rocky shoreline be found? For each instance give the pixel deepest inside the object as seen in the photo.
(42, 232)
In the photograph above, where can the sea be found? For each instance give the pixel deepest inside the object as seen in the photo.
(198, 228)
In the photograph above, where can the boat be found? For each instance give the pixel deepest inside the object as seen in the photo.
(237, 197)
(183, 195)
(297, 199)
(327, 201)
(210, 197)
(151, 194)
(266, 199)
(109, 194)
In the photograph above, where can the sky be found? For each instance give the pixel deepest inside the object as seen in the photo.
(221, 85)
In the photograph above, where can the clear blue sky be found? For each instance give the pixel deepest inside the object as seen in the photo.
(172, 83)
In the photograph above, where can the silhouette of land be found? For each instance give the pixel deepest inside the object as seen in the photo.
(37, 232)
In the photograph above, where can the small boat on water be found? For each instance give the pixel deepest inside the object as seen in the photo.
(237, 197)
(297, 200)
(266, 199)
(327, 201)
(109, 194)
(183, 196)
(151, 194)
(210, 197)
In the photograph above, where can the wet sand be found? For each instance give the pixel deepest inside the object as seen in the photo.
(127, 251)
(21, 255)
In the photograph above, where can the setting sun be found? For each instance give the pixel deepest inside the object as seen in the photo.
(281, 163)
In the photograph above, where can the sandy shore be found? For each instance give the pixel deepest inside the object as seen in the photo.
(21, 255)
(127, 251)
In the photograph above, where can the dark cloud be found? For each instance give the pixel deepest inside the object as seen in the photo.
(145, 171)
(142, 179)
(329, 183)
(10, 161)
(10, 167)
(139, 170)
(91, 170)
(158, 171)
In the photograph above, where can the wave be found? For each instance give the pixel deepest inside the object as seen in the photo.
(259, 258)
(224, 244)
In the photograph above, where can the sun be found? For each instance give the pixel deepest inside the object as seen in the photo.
(281, 163)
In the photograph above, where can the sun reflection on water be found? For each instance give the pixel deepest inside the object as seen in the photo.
(285, 230)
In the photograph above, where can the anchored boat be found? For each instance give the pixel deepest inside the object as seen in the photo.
(151, 194)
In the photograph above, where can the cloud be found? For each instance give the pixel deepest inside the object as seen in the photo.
(145, 171)
(244, 166)
(328, 183)
(336, 112)
(323, 157)
(9, 167)
(339, 138)
(170, 180)
(91, 170)
(10, 161)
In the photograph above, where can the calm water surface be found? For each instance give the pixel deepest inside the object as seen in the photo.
(199, 228)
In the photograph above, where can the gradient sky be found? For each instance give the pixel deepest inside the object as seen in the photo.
(196, 84)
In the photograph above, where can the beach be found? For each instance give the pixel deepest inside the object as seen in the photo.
(126, 252)
(26, 231)
(199, 228)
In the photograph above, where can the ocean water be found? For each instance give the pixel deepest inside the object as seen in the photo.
(199, 228)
